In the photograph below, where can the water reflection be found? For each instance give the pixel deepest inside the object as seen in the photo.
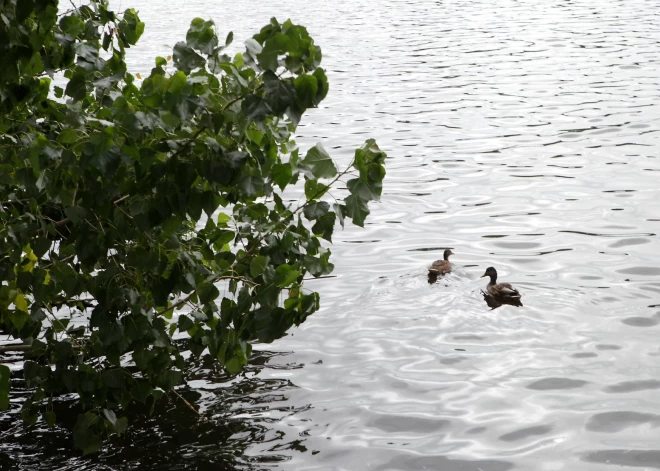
(494, 302)
(630, 458)
(236, 413)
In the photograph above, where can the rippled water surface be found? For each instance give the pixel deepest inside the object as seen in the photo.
(523, 135)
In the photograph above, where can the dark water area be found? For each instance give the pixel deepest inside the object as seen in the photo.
(165, 435)
(523, 135)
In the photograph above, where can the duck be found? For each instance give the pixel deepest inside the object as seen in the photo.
(442, 267)
(501, 290)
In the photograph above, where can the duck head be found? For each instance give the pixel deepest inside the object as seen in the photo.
(491, 272)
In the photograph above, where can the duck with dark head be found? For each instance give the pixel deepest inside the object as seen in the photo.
(499, 290)
(500, 293)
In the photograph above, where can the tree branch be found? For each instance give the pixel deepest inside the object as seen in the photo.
(190, 406)
(17, 347)
(62, 223)
(231, 102)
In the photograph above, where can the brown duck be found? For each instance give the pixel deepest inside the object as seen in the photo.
(441, 267)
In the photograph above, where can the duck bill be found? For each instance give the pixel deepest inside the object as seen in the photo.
(483, 276)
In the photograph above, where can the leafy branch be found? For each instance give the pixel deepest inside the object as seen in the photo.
(103, 193)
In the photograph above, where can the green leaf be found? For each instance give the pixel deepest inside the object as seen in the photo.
(121, 425)
(356, 209)
(235, 159)
(110, 416)
(21, 304)
(365, 191)
(172, 378)
(318, 266)
(40, 246)
(76, 88)
(72, 25)
(224, 237)
(256, 108)
(185, 323)
(322, 82)
(319, 162)
(315, 210)
(30, 412)
(257, 265)
(251, 185)
(369, 161)
(118, 426)
(309, 304)
(130, 27)
(67, 136)
(61, 325)
(75, 213)
(272, 48)
(253, 47)
(186, 59)
(38, 348)
(141, 390)
(325, 226)
(177, 83)
(223, 219)
(207, 292)
(280, 94)
(201, 36)
(315, 190)
(234, 365)
(285, 275)
(306, 90)
(281, 174)
(340, 211)
(50, 418)
(143, 358)
(85, 433)
(114, 378)
(37, 315)
(111, 333)
(5, 373)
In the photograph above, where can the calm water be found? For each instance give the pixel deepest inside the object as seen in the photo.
(523, 135)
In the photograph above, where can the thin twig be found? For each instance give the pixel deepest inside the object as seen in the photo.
(230, 102)
(119, 208)
(65, 259)
(61, 223)
(180, 302)
(119, 200)
(2, 203)
(183, 301)
(190, 406)
(100, 223)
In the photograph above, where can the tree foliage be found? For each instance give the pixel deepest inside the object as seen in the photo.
(138, 209)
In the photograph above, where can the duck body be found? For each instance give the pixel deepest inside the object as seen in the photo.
(441, 267)
(499, 290)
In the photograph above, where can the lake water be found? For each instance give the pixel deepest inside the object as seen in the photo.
(521, 134)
